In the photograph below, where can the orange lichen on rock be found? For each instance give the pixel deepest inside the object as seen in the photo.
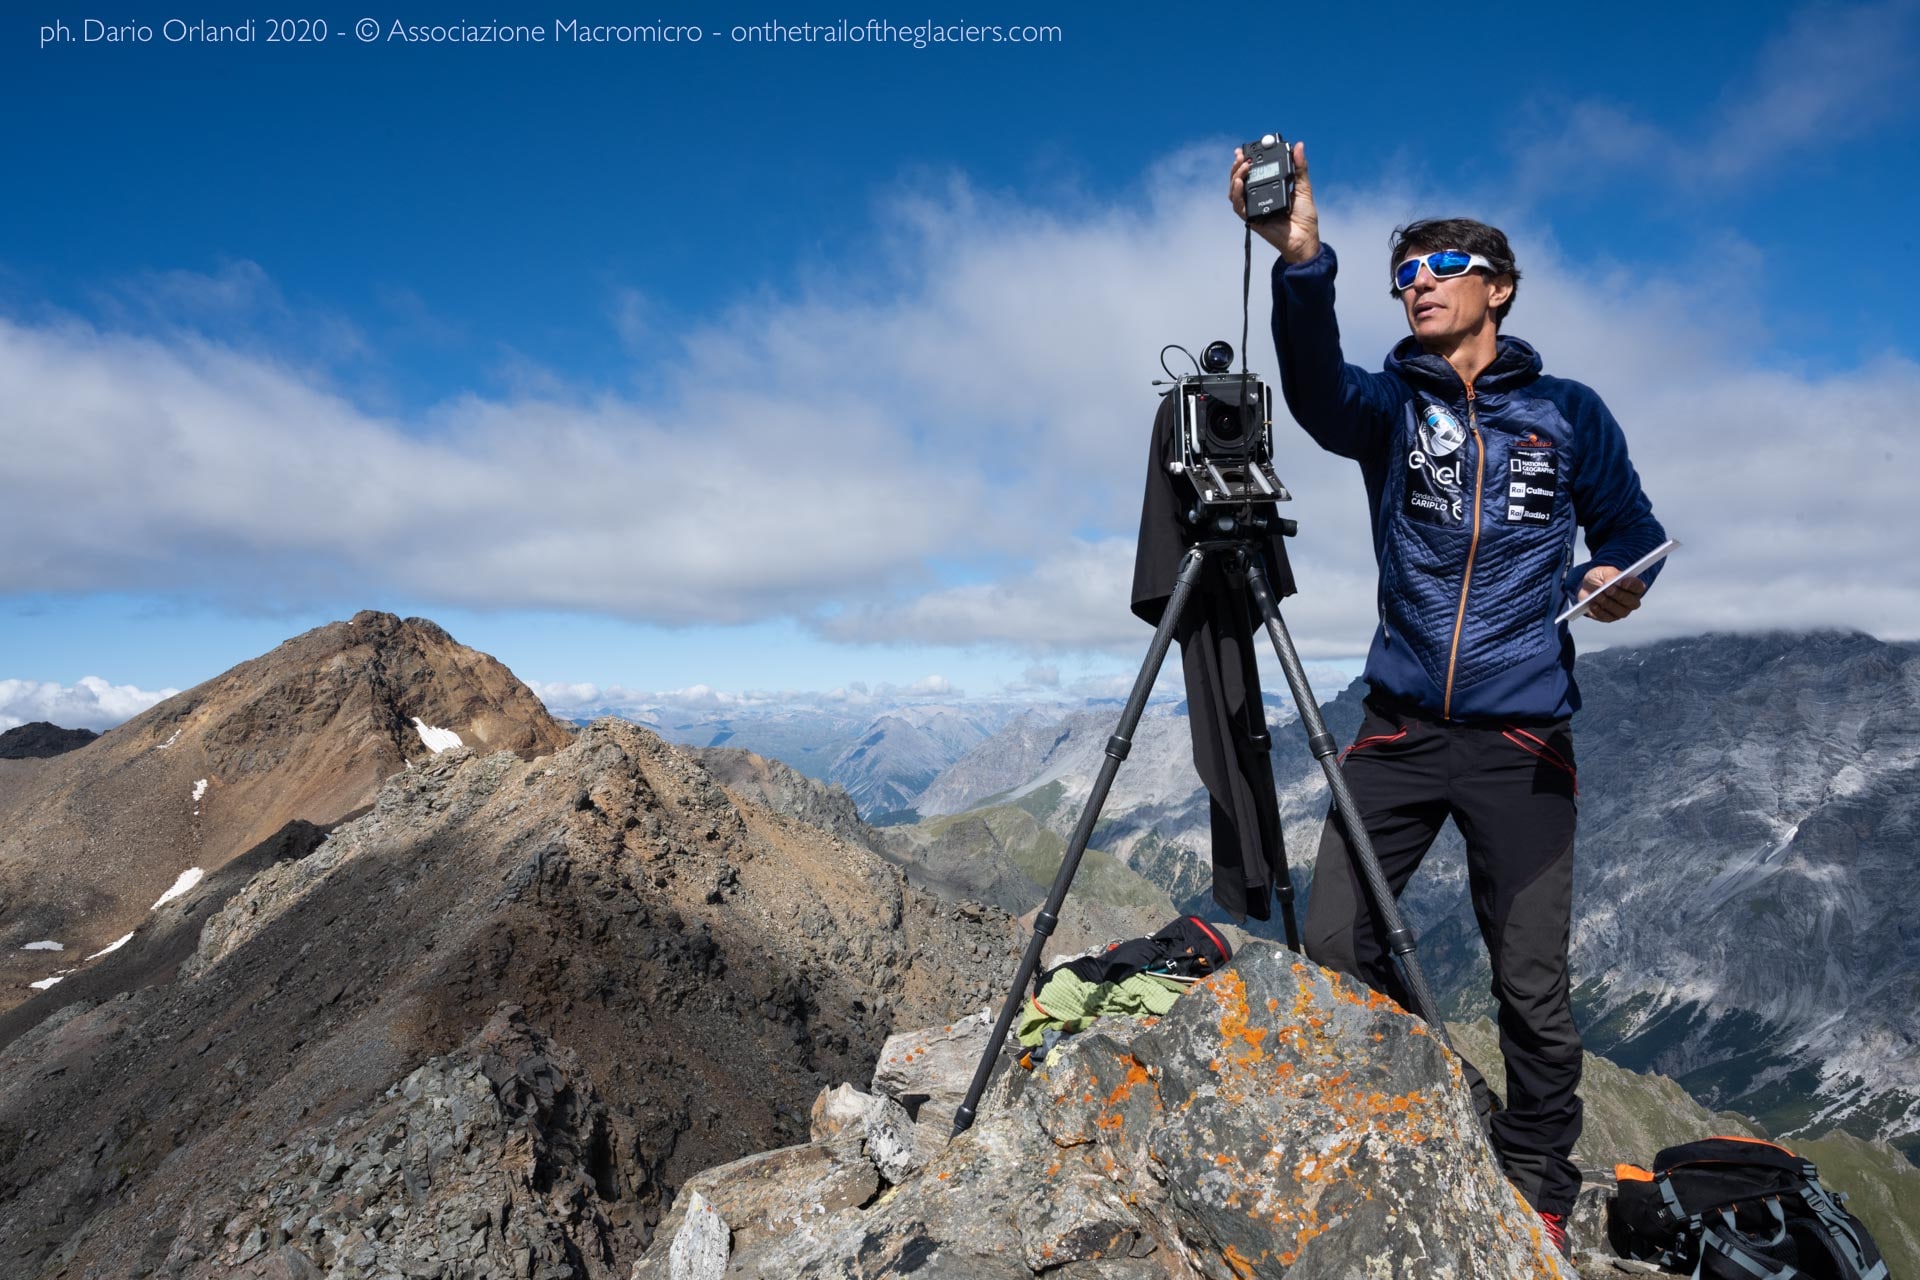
(1241, 1267)
(1300, 1240)
(1371, 1000)
(1235, 1028)
(1136, 1074)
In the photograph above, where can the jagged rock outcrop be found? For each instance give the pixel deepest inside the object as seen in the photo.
(42, 740)
(694, 969)
(89, 841)
(494, 1159)
(1278, 1122)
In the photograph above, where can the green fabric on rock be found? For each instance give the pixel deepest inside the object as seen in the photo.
(1069, 1002)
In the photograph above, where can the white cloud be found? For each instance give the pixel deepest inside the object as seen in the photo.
(982, 401)
(1075, 600)
(1119, 686)
(183, 465)
(701, 701)
(92, 703)
(581, 701)
(561, 693)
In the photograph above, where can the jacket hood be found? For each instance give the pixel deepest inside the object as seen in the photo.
(1515, 364)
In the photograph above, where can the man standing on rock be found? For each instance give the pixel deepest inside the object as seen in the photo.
(1478, 469)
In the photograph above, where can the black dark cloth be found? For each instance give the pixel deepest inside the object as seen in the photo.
(1224, 710)
(1510, 788)
(1187, 948)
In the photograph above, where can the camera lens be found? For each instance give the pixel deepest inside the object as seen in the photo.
(1226, 424)
(1217, 358)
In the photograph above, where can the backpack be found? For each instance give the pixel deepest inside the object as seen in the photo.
(1187, 948)
(1738, 1209)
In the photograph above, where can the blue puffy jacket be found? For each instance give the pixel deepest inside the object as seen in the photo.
(1476, 492)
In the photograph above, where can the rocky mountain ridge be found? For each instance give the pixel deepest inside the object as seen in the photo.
(1752, 921)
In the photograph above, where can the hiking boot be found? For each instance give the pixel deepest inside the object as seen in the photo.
(1555, 1227)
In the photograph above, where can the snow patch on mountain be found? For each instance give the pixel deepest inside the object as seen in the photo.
(183, 883)
(113, 946)
(437, 740)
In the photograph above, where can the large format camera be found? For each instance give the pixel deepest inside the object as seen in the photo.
(1225, 449)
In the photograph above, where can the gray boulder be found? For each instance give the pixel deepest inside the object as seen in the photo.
(1279, 1122)
(881, 1123)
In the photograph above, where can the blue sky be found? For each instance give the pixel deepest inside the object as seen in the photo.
(767, 366)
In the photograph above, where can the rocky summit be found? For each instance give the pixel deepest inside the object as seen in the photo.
(1278, 1122)
(92, 840)
(40, 740)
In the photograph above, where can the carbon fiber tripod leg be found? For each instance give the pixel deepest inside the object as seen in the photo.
(1117, 748)
(1399, 938)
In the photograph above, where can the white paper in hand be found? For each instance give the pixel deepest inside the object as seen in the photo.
(1652, 557)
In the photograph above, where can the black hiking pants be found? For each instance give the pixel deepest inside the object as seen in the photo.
(1510, 789)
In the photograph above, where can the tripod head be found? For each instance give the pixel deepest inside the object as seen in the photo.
(1224, 530)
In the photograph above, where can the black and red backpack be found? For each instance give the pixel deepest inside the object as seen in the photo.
(1189, 948)
(1739, 1209)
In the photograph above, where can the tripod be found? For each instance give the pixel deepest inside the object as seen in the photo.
(1238, 547)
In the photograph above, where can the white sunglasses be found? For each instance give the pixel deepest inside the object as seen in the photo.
(1441, 265)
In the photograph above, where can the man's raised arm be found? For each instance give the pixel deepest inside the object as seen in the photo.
(1345, 408)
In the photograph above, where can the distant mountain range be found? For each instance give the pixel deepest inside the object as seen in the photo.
(884, 760)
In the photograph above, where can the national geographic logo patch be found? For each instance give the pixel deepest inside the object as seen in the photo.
(1532, 486)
